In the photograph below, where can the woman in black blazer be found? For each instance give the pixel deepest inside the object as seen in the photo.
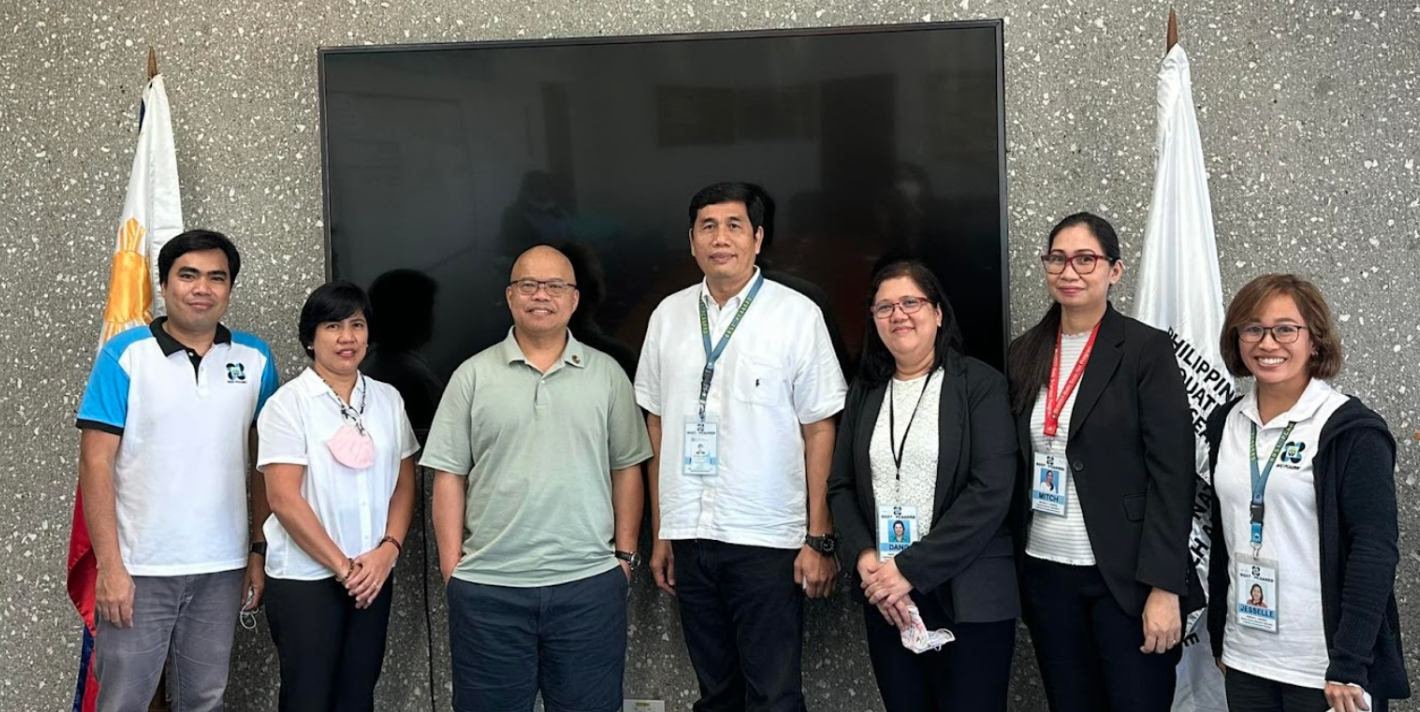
(927, 443)
(1108, 444)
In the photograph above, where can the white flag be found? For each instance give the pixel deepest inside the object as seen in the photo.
(152, 215)
(1180, 292)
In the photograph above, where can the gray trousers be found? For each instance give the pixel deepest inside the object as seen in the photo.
(185, 621)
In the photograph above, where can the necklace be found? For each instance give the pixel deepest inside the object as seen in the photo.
(351, 415)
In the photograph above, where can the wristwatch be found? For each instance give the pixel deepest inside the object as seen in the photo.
(630, 557)
(258, 548)
(826, 544)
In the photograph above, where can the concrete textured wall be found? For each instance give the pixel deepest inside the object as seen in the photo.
(1309, 113)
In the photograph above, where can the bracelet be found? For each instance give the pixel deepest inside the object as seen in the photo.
(348, 572)
(398, 549)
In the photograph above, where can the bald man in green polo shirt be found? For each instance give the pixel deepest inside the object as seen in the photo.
(537, 449)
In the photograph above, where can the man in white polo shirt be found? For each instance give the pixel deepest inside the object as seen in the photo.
(741, 383)
(166, 420)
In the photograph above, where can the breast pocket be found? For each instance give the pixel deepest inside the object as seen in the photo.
(759, 381)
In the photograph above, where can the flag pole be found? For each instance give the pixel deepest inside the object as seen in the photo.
(153, 64)
(1172, 37)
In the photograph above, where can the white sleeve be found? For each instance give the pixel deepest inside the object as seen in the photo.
(408, 442)
(819, 389)
(281, 437)
(648, 369)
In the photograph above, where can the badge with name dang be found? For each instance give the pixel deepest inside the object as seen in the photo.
(897, 529)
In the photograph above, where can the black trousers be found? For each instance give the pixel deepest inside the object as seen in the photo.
(1088, 647)
(330, 652)
(742, 615)
(969, 674)
(1250, 693)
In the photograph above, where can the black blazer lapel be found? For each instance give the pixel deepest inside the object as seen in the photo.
(867, 421)
(1023, 429)
(1104, 359)
(951, 421)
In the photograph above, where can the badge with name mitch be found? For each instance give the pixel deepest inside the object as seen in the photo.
(1255, 593)
(1048, 478)
(701, 455)
(897, 529)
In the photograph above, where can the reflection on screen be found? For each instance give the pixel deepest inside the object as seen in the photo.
(445, 163)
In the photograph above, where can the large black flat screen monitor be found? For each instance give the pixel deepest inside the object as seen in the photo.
(443, 162)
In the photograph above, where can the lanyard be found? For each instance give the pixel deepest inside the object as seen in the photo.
(899, 450)
(1259, 482)
(349, 414)
(713, 355)
(1055, 402)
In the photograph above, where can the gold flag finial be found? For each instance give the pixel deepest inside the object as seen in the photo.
(152, 63)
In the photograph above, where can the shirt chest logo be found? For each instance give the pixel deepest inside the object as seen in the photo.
(1291, 457)
(236, 373)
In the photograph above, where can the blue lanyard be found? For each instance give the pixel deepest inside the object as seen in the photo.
(1259, 482)
(713, 355)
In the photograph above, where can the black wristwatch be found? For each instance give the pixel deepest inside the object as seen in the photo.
(826, 544)
(258, 548)
(630, 557)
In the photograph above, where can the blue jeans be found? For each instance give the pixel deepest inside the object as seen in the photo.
(567, 641)
(186, 621)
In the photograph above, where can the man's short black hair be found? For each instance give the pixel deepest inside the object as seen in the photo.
(333, 301)
(197, 241)
(748, 193)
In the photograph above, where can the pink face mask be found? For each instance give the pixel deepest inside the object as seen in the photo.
(351, 445)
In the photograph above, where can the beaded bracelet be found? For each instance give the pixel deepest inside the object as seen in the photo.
(348, 573)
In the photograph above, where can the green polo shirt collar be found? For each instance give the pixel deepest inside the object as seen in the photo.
(573, 354)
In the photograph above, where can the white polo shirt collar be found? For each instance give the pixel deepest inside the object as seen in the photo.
(731, 304)
(1317, 393)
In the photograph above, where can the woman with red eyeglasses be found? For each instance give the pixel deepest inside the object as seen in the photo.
(1105, 505)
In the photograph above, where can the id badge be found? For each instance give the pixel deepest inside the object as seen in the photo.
(1049, 476)
(897, 529)
(1255, 593)
(701, 454)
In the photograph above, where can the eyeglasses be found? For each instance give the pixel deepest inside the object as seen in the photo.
(909, 305)
(1282, 333)
(554, 287)
(1085, 262)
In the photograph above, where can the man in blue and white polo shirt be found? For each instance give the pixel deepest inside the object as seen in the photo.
(166, 422)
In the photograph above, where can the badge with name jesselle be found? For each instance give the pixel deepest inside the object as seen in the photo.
(897, 529)
(1255, 595)
(701, 454)
(1048, 479)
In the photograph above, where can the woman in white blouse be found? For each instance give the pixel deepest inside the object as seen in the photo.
(920, 491)
(1302, 611)
(337, 452)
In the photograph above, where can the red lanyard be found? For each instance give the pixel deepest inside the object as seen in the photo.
(1055, 402)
